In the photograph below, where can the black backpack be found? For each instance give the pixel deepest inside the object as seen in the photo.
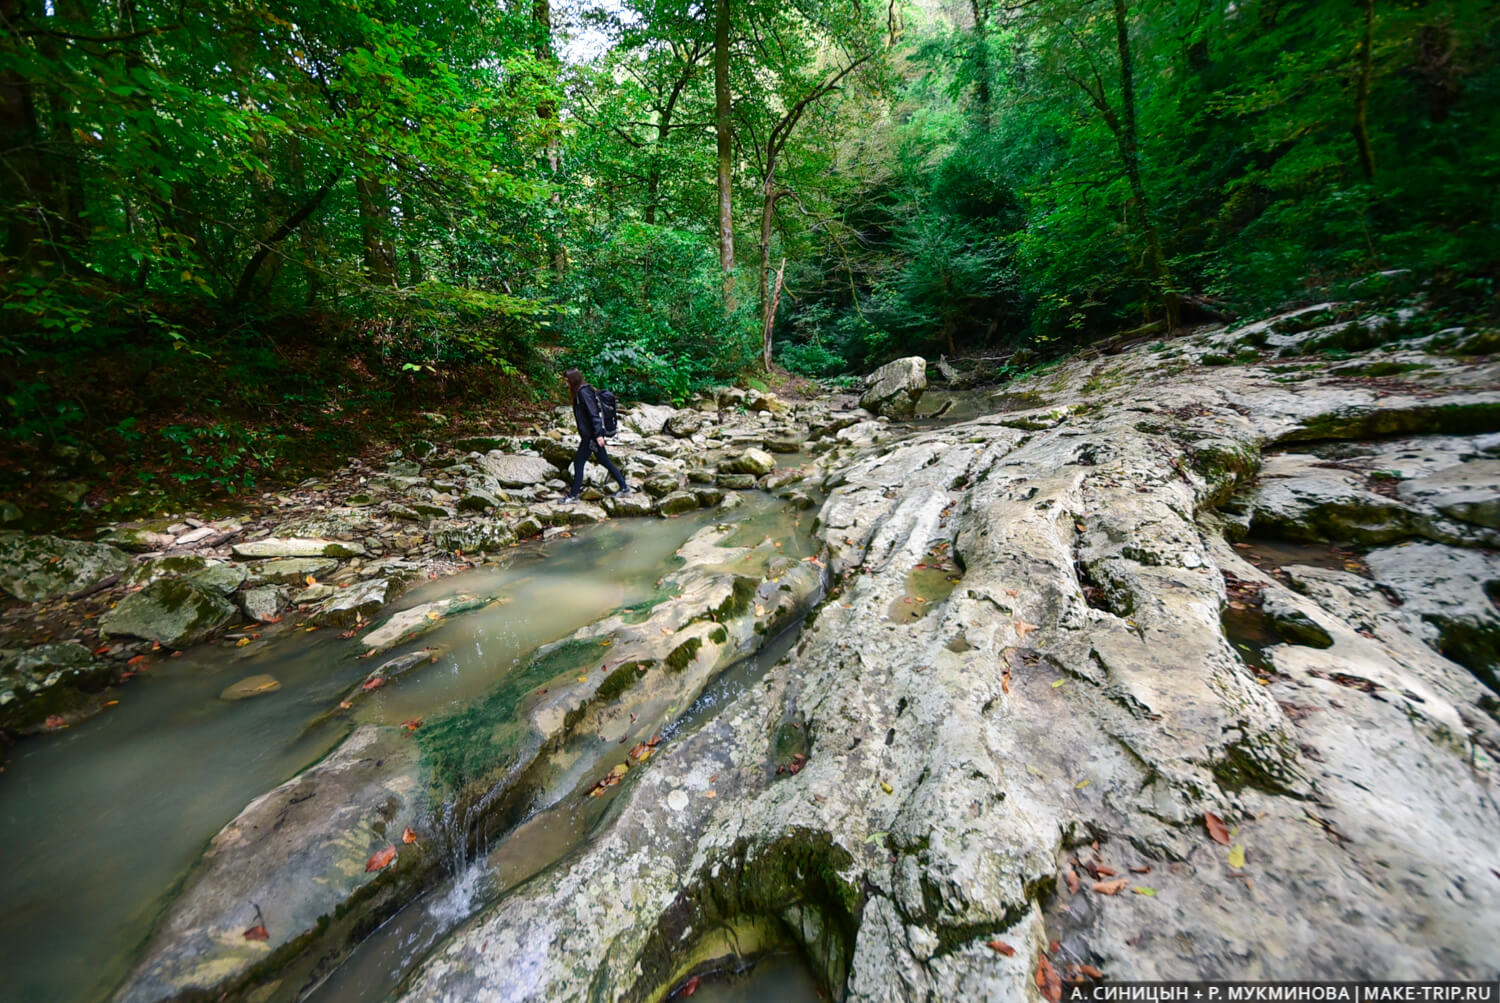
(609, 412)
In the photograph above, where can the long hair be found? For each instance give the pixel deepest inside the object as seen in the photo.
(575, 380)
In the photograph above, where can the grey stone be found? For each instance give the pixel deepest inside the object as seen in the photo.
(677, 502)
(173, 611)
(683, 424)
(34, 568)
(736, 482)
(289, 571)
(517, 471)
(294, 547)
(751, 461)
(219, 577)
(355, 604)
(636, 503)
(894, 389)
(47, 679)
(473, 537)
(262, 603)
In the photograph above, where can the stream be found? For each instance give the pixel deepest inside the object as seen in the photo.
(102, 822)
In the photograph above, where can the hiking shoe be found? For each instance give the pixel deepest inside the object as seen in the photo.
(568, 499)
(626, 490)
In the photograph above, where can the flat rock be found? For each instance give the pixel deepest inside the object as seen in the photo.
(273, 546)
(751, 461)
(289, 571)
(250, 686)
(514, 471)
(34, 568)
(358, 602)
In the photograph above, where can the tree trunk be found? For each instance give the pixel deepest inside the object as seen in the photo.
(723, 128)
(541, 13)
(983, 95)
(20, 144)
(1362, 94)
(768, 324)
(767, 300)
(375, 229)
(1130, 154)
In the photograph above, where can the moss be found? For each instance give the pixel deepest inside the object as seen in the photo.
(639, 612)
(741, 594)
(718, 635)
(620, 680)
(485, 737)
(1469, 418)
(683, 654)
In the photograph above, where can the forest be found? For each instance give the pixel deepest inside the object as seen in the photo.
(237, 235)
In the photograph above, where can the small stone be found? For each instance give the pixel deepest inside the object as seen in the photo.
(250, 686)
(677, 800)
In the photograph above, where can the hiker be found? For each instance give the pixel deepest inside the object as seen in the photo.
(585, 401)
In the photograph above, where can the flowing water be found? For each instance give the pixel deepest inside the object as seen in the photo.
(101, 822)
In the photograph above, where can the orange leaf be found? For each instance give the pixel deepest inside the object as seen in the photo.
(413, 724)
(1109, 887)
(691, 986)
(408, 835)
(1105, 872)
(311, 580)
(372, 684)
(1002, 947)
(380, 859)
(1047, 979)
(1072, 880)
(137, 660)
(103, 649)
(257, 932)
(272, 619)
(1090, 971)
(54, 721)
(1023, 628)
(1216, 828)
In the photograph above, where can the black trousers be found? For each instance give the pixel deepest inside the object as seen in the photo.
(585, 447)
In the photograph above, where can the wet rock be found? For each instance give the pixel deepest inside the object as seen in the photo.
(736, 482)
(700, 475)
(517, 471)
(677, 502)
(1469, 492)
(355, 604)
(173, 611)
(46, 680)
(751, 461)
(659, 485)
(894, 389)
(337, 524)
(150, 569)
(262, 603)
(313, 593)
(636, 503)
(766, 403)
(250, 686)
(707, 497)
(296, 547)
(528, 526)
(475, 500)
(427, 510)
(1294, 624)
(422, 449)
(34, 568)
(288, 571)
(418, 620)
(786, 443)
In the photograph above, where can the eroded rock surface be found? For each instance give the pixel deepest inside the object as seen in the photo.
(899, 793)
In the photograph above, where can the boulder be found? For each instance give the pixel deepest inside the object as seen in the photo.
(1469, 492)
(684, 424)
(637, 503)
(48, 679)
(659, 485)
(148, 569)
(172, 611)
(751, 461)
(220, 577)
(515, 471)
(894, 389)
(296, 547)
(357, 603)
(677, 502)
(736, 482)
(288, 571)
(473, 537)
(262, 603)
(647, 419)
(138, 539)
(34, 568)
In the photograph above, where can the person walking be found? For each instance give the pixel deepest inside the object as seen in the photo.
(585, 401)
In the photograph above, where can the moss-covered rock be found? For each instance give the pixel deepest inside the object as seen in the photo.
(172, 611)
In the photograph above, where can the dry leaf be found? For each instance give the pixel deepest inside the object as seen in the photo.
(1002, 947)
(380, 859)
(887, 787)
(1237, 856)
(1109, 887)
(372, 684)
(433, 614)
(1216, 828)
(690, 986)
(1104, 872)
(257, 932)
(1023, 628)
(1090, 971)
(408, 835)
(1072, 880)
(710, 794)
(1047, 979)
(311, 580)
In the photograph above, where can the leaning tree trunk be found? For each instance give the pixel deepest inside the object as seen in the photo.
(375, 228)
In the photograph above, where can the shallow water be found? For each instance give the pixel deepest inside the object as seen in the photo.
(100, 822)
(776, 978)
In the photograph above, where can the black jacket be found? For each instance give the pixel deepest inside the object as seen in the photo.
(586, 413)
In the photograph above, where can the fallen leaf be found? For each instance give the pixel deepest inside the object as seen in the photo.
(54, 721)
(1090, 971)
(1023, 628)
(345, 705)
(433, 614)
(272, 619)
(887, 787)
(111, 703)
(1237, 856)
(310, 580)
(1035, 772)
(1002, 947)
(257, 932)
(1143, 869)
(413, 724)
(1105, 872)
(1144, 890)
(138, 660)
(690, 986)
(380, 859)
(1047, 979)
(1057, 683)
(1081, 784)
(372, 684)
(1217, 830)
(1110, 887)
(710, 794)
(408, 835)
(103, 649)
(1072, 880)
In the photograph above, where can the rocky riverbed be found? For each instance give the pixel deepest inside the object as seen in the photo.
(1176, 662)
